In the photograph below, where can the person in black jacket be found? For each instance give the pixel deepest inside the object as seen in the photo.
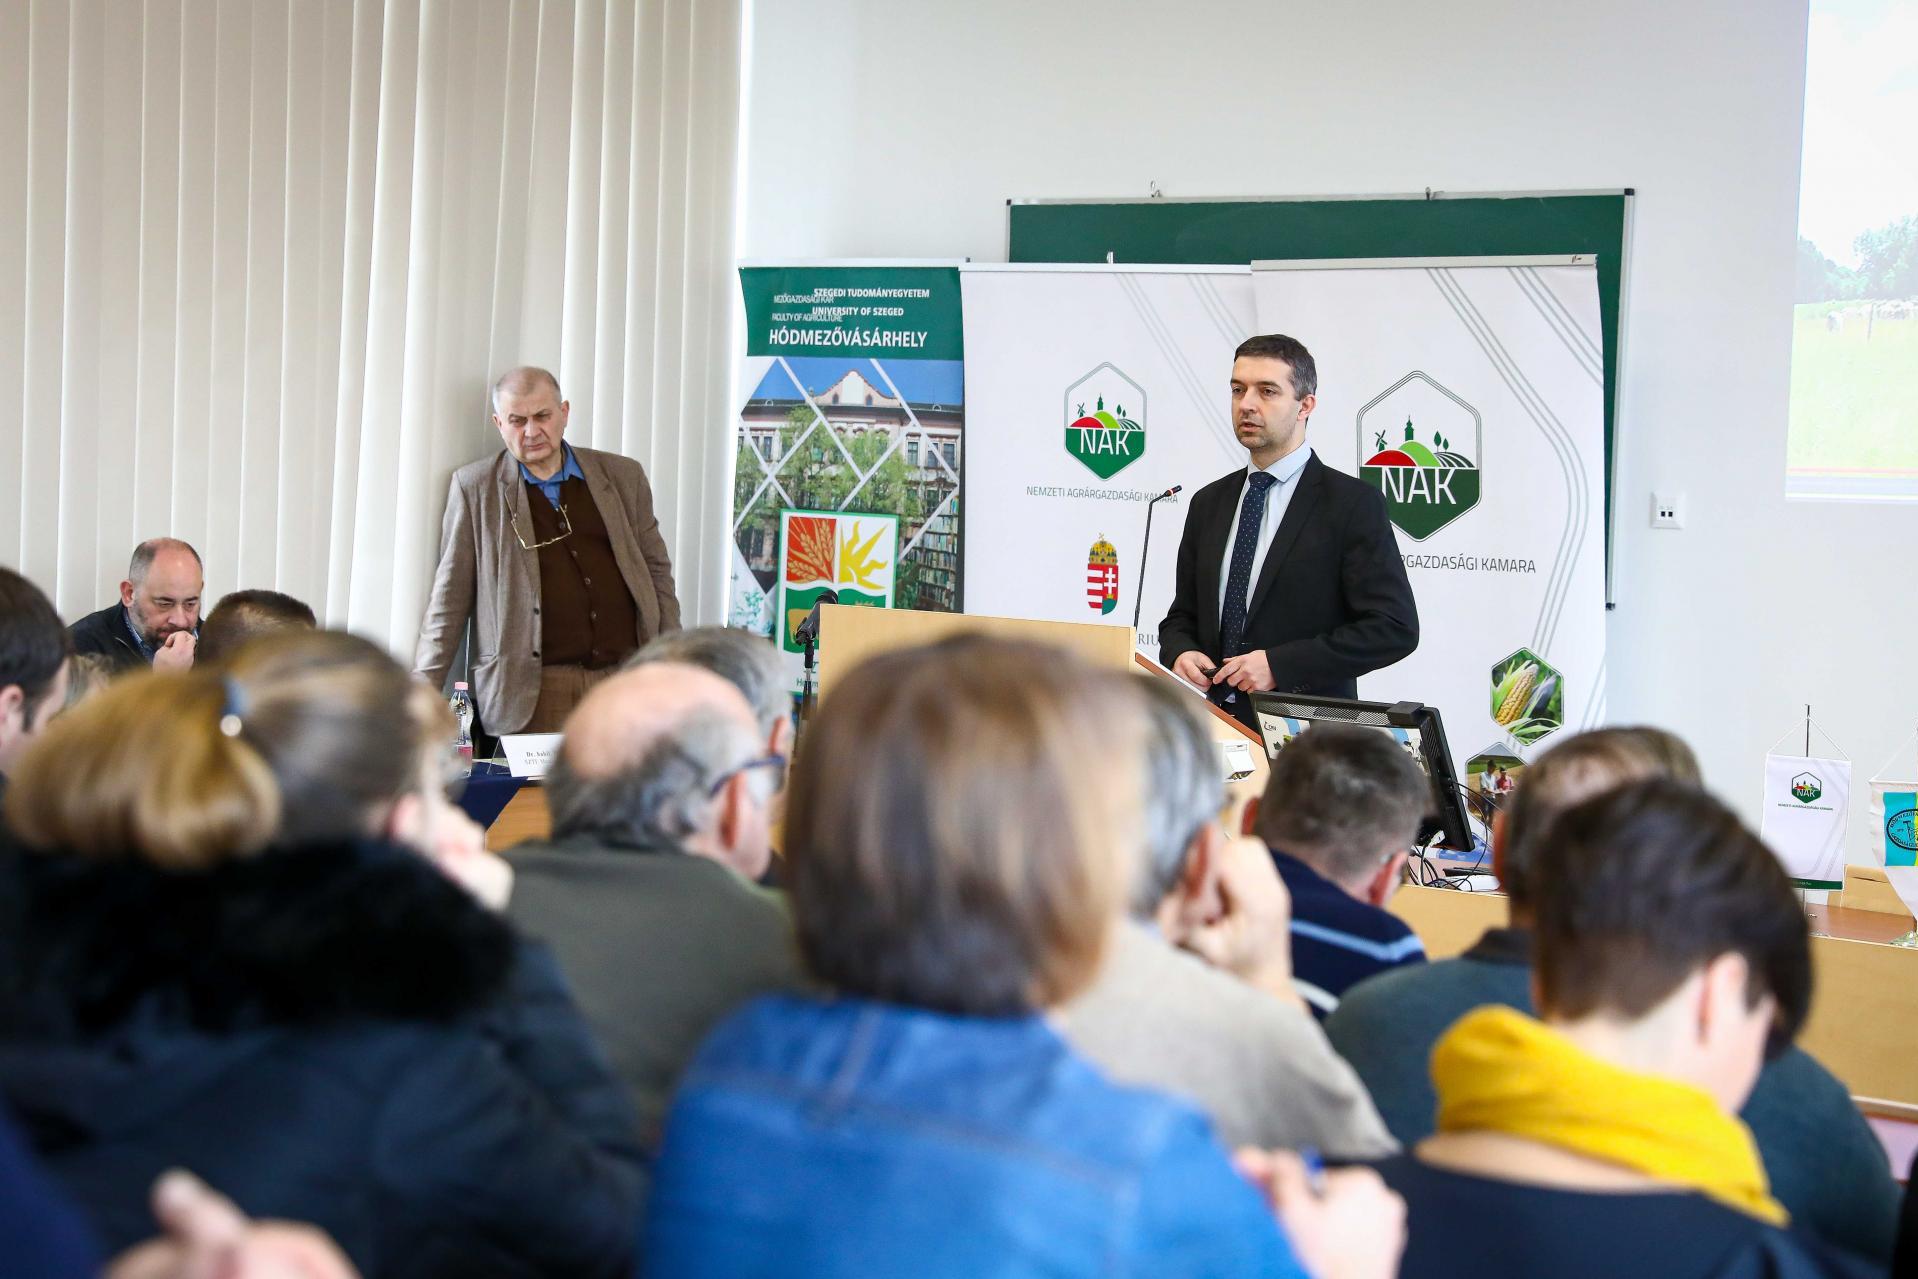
(1601, 1139)
(1289, 576)
(156, 620)
(224, 950)
(34, 648)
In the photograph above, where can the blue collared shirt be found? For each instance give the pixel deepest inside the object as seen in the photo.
(146, 650)
(569, 470)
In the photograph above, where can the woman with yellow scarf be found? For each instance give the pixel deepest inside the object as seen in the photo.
(1601, 1140)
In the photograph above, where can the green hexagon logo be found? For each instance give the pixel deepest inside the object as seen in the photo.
(1105, 421)
(1421, 445)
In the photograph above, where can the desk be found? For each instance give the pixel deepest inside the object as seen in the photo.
(1864, 1014)
(525, 817)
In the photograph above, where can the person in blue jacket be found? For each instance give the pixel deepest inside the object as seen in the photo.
(961, 835)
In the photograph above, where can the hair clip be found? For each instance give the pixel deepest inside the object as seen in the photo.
(233, 708)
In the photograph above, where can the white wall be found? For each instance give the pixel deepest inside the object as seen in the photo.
(898, 128)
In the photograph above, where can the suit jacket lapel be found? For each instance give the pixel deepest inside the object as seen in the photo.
(519, 564)
(612, 511)
(1296, 515)
(1218, 524)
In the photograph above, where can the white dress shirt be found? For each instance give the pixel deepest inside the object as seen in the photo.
(1285, 475)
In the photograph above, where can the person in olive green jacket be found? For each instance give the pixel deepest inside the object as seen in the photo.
(661, 800)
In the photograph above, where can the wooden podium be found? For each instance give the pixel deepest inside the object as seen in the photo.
(848, 634)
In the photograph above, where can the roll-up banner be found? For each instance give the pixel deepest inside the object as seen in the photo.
(1470, 394)
(848, 443)
(1093, 389)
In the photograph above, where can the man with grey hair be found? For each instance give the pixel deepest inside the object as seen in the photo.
(661, 819)
(555, 555)
(156, 621)
(1340, 812)
(1196, 996)
(751, 663)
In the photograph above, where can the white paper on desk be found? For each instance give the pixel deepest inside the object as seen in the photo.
(531, 754)
(1904, 881)
(1172, 675)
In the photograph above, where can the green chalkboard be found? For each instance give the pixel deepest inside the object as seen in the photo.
(1224, 231)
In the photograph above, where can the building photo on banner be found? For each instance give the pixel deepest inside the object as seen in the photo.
(847, 445)
(1091, 391)
(1470, 393)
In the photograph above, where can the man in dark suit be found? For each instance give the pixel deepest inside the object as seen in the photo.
(1289, 576)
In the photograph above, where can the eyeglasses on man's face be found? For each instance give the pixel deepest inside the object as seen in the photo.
(775, 762)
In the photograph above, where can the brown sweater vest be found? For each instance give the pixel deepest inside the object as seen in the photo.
(587, 616)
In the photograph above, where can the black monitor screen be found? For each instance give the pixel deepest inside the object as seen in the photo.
(1414, 725)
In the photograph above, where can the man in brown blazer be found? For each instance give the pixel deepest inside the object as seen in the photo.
(555, 554)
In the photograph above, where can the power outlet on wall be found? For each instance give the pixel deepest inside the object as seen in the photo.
(1668, 510)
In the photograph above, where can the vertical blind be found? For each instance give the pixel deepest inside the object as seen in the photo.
(260, 259)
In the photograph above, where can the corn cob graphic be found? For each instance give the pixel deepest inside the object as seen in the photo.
(1521, 691)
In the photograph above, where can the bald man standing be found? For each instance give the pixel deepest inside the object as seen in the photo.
(661, 801)
(156, 620)
(555, 554)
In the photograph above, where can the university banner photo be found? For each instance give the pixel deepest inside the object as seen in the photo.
(1092, 389)
(852, 418)
(1470, 394)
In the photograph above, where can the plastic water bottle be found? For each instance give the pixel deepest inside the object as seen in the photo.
(462, 703)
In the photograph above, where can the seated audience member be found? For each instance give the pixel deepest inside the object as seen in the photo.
(660, 802)
(1824, 1163)
(156, 621)
(1231, 1034)
(1603, 1140)
(1341, 809)
(34, 653)
(241, 615)
(953, 877)
(87, 674)
(751, 663)
(227, 953)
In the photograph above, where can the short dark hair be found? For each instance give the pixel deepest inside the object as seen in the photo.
(1277, 346)
(241, 615)
(1338, 793)
(33, 641)
(1650, 881)
(1569, 773)
(947, 846)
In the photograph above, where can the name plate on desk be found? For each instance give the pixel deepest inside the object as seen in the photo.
(531, 754)
(1238, 760)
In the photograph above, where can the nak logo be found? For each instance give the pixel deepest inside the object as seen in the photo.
(1806, 787)
(1105, 421)
(1421, 444)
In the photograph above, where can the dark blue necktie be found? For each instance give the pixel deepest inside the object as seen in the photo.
(1238, 581)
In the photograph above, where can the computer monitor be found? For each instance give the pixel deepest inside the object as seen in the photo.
(1414, 725)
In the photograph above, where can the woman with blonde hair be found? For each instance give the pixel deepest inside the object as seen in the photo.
(224, 951)
(960, 833)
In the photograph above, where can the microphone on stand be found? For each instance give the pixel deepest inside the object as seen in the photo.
(1145, 549)
(807, 634)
